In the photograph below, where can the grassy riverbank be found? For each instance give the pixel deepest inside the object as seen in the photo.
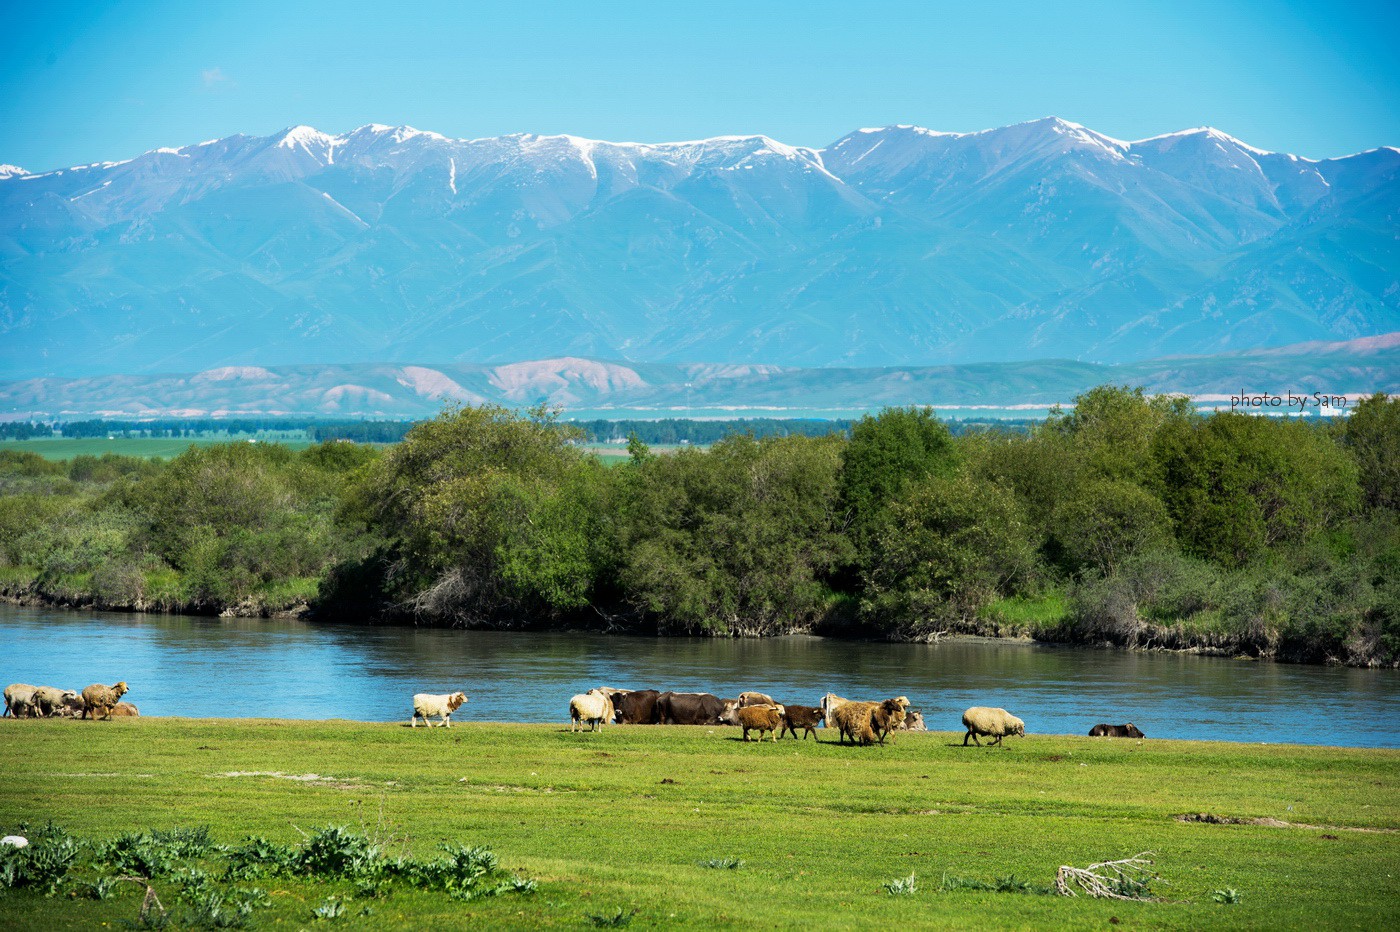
(625, 820)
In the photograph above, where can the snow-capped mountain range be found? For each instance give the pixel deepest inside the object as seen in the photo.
(897, 246)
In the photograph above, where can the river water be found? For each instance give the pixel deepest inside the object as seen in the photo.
(242, 668)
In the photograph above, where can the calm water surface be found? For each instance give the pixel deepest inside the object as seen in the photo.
(236, 668)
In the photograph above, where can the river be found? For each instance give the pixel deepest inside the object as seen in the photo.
(242, 668)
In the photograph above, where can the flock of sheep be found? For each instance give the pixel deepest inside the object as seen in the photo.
(862, 722)
(96, 701)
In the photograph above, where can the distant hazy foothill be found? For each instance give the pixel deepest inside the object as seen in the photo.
(891, 247)
(610, 390)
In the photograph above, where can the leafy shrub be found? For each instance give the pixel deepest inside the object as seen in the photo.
(335, 851)
(139, 854)
(42, 864)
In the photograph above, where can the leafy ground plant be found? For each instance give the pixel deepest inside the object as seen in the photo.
(1008, 884)
(731, 864)
(614, 921)
(189, 868)
(901, 886)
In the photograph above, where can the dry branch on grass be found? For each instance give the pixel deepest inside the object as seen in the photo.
(151, 901)
(1126, 879)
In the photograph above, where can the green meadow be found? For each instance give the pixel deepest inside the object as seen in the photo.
(64, 448)
(673, 827)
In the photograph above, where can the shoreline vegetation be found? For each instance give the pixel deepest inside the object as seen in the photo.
(685, 827)
(1132, 521)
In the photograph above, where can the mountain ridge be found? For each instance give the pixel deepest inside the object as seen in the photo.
(891, 246)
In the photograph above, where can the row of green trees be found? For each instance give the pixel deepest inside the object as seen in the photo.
(1131, 520)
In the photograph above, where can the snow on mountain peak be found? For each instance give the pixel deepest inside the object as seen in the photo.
(11, 171)
(305, 137)
(1210, 132)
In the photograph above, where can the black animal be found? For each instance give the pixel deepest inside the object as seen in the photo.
(690, 708)
(637, 707)
(1116, 731)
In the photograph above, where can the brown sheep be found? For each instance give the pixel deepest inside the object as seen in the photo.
(98, 700)
(758, 718)
(888, 717)
(864, 722)
(806, 717)
(125, 709)
(853, 720)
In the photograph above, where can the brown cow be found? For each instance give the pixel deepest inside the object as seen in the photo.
(806, 717)
(1116, 731)
(691, 708)
(637, 707)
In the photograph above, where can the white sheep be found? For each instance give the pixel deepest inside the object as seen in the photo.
(594, 707)
(50, 700)
(19, 700)
(996, 723)
(427, 704)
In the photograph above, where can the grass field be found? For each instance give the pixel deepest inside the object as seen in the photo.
(620, 824)
(63, 448)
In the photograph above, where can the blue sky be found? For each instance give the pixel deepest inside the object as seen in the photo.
(82, 82)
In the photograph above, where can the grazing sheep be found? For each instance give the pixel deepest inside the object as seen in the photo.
(996, 723)
(125, 710)
(853, 721)
(98, 700)
(49, 700)
(806, 717)
(830, 703)
(888, 717)
(592, 707)
(1116, 731)
(864, 722)
(19, 700)
(751, 698)
(428, 704)
(758, 718)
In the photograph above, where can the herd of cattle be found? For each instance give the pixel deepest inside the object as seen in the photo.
(96, 701)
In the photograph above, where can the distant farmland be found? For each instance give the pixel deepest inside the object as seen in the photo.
(61, 448)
